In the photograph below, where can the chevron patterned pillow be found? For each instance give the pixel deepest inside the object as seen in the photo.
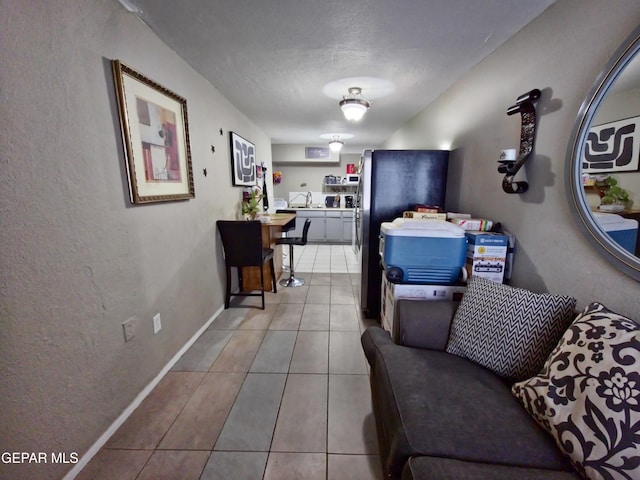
(508, 330)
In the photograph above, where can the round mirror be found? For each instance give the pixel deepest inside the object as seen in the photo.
(603, 160)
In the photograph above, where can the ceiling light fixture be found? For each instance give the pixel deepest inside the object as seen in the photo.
(335, 145)
(354, 105)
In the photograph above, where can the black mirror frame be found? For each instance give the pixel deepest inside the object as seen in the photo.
(616, 255)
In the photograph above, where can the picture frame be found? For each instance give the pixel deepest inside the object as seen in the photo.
(155, 134)
(317, 152)
(613, 147)
(243, 161)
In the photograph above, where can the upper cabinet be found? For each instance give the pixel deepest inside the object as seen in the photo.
(302, 155)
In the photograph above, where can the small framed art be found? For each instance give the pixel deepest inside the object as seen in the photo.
(243, 161)
(613, 147)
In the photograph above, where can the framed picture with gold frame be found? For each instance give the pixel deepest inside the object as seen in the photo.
(155, 135)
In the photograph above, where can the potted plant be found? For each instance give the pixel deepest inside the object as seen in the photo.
(251, 203)
(612, 197)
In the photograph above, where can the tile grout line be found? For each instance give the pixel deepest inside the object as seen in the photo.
(337, 253)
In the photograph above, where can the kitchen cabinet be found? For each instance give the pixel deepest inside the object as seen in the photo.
(347, 226)
(316, 229)
(327, 225)
(333, 224)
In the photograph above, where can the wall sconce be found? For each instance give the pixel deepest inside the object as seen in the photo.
(524, 106)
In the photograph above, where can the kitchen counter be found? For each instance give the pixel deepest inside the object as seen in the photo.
(277, 219)
(321, 209)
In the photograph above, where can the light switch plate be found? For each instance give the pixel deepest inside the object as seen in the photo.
(157, 323)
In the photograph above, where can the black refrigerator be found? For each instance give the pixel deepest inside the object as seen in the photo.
(391, 181)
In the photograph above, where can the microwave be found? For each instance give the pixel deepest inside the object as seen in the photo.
(351, 179)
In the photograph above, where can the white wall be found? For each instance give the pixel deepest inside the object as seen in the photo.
(561, 53)
(76, 259)
(295, 174)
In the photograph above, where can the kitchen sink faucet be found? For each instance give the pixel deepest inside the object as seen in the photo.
(308, 200)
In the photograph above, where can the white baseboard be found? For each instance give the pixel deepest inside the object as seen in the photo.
(95, 448)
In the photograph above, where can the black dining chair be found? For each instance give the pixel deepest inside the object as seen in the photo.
(291, 280)
(242, 246)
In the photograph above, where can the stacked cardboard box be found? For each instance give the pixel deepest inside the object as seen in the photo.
(424, 215)
(474, 224)
(391, 292)
(487, 254)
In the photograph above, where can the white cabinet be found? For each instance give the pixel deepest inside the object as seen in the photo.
(327, 225)
(316, 229)
(333, 224)
(347, 226)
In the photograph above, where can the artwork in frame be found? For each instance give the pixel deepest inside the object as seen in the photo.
(317, 152)
(155, 134)
(613, 147)
(243, 161)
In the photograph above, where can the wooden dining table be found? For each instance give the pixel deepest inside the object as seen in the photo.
(271, 231)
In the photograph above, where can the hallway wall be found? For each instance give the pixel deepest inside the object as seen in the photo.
(76, 259)
(561, 53)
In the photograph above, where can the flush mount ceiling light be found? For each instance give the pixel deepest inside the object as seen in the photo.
(335, 145)
(354, 105)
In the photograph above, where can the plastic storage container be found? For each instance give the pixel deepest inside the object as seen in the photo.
(422, 251)
(624, 231)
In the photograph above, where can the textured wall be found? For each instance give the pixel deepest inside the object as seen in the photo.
(561, 53)
(76, 260)
(293, 175)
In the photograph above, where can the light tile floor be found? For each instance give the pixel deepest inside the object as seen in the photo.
(320, 258)
(281, 393)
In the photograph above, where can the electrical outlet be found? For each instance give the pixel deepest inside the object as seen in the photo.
(129, 329)
(157, 323)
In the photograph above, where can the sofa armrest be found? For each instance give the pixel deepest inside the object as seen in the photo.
(423, 324)
(372, 339)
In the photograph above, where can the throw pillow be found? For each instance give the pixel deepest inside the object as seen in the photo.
(588, 394)
(508, 330)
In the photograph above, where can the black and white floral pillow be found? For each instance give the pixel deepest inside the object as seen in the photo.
(588, 394)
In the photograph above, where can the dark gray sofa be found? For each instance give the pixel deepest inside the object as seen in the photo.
(440, 416)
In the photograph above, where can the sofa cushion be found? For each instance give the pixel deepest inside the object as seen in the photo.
(588, 394)
(430, 402)
(508, 330)
(433, 468)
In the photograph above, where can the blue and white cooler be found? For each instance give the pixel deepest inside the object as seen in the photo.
(624, 231)
(422, 251)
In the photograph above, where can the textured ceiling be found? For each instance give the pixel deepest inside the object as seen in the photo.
(287, 63)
